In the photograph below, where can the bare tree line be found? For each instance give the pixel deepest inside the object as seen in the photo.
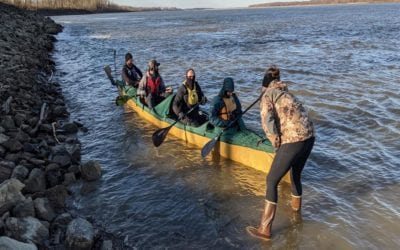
(60, 4)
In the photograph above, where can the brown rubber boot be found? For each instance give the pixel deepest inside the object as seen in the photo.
(296, 203)
(264, 230)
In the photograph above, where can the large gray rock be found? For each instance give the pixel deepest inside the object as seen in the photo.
(24, 209)
(43, 209)
(91, 170)
(69, 128)
(20, 172)
(80, 235)
(22, 136)
(27, 229)
(7, 243)
(36, 181)
(60, 155)
(10, 194)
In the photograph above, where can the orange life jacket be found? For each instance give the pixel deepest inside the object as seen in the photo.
(230, 105)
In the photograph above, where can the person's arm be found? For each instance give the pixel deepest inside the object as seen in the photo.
(142, 87)
(200, 94)
(162, 87)
(126, 78)
(269, 121)
(178, 100)
(215, 109)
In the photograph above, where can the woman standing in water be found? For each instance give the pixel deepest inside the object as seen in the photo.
(288, 127)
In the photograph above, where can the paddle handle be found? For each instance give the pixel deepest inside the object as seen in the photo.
(240, 115)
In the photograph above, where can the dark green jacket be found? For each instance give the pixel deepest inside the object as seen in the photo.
(218, 103)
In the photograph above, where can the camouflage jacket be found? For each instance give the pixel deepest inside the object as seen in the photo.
(283, 116)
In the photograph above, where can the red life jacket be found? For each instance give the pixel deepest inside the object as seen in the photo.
(154, 84)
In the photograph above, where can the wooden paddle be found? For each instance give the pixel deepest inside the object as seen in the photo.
(159, 136)
(107, 69)
(211, 144)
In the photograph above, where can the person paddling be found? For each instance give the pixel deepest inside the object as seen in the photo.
(226, 107)
(188, 96)
(130, 73)
(151, 88)
(288, 127)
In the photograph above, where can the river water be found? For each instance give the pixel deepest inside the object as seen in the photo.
(344, 63)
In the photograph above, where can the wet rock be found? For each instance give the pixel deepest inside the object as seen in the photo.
(74, 169)
(69, 178)
(75, 152)
(91, 170)
(59, 111)
(13, 157)
(24, 208)
(13, 145)
(69, 128)
(36, 181)
(80, 235)
(33, 121)
(7, 122)
(57, 196)
(54, 177)
(27, 229)
(10, 194)
(20, 172)
(26, 127)
(61, 222)
(43, 209)
(61, 156)
(2, 130)
(7, 243)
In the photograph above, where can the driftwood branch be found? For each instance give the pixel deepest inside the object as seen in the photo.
(42, 116)
(54, 132)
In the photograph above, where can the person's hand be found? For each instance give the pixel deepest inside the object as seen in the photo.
(203, 100)
(168, 89)
(276, 141)
(181, 115)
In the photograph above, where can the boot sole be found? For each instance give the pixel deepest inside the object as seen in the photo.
(254, 232)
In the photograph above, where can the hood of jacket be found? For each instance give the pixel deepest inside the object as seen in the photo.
(228, 85)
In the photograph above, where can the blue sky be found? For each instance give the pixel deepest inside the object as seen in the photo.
(191, 3)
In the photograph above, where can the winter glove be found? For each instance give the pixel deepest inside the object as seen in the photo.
(181, 115)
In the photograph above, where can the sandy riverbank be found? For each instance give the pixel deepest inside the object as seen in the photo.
(40, 154)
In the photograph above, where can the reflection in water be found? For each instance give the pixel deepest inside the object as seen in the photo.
(345, 68)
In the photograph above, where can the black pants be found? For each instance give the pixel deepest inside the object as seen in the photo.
(290, 156)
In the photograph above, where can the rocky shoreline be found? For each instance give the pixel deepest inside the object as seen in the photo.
(40, 154)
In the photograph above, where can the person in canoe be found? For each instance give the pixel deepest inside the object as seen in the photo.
(130, 73)
(226, 107)
(288, 127)
(151, 88)
(188, 96)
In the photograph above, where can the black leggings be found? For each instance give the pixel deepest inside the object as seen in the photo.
(290, 156)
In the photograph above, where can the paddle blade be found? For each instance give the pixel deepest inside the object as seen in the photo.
(208, 147)
(107, 69)
(121, 100)
(158, 137)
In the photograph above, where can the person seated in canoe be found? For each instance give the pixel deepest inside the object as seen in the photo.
(226, 107)
(130, 73)
(188, 98)
(151, 88)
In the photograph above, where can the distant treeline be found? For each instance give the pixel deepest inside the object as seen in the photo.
(89, 5)
(318, 2)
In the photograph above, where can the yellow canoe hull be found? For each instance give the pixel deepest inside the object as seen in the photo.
(256, 159)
